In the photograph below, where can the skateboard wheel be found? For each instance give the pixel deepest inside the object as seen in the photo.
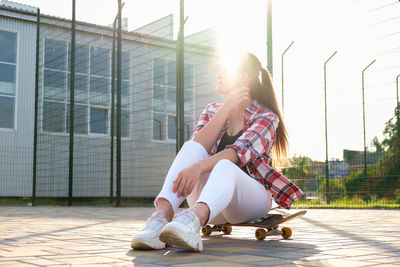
(260, 234)
(207, 230)
(228, 229)
(287, 232)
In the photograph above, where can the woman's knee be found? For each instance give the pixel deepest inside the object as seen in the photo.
(195, 146)
(225, 164)
(225, 167)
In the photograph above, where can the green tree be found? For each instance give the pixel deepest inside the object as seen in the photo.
(383, 178)
(301, 171)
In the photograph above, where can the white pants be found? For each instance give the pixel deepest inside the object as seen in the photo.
(230, 194)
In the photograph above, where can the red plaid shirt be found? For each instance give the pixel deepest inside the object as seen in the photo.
(253, 148)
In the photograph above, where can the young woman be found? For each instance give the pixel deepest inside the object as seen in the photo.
(223, 169)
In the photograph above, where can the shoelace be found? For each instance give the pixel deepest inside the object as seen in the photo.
(152, 225)
(185, 217)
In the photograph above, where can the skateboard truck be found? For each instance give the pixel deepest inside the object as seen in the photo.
(268, 226)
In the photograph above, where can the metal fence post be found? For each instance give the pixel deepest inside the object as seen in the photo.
(269, 37)
(284, 52)
(119, 106)
(36, 107)
(398, 107)
(112, 113)
(365, 145)
(71, 107)
(326, 134)
(180, 61)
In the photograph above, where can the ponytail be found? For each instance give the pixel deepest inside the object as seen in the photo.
(264, 93)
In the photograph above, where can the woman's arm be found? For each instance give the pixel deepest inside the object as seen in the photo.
(208, 135)
(238, 98)
(188, 177)
(207, 164)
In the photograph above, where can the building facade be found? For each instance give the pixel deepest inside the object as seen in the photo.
(148, 108)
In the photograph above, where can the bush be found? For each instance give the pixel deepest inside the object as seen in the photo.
(397, 196)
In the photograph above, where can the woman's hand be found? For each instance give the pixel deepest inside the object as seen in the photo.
(238, 98)
(186, 180)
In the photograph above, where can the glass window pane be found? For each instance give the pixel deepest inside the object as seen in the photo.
(7, 112)
(126, 67)
(159, 71)
(81, 88)
(98, 121)
(81, 58)
(55, 54)
(188, 76)
(53, 117)
(125, 94)
(7, 79)
(171, 73)
(158, 98)
(54, 85)
(100, 62)
(158, 126)
(171, 100)
(124, 122)
(8, 47)
(172, 127)
(100, 91)
(188, 99)
(80, 119)
(186, 132)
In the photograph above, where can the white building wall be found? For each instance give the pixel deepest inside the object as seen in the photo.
(16, 145)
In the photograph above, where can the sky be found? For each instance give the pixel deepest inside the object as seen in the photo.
(359, 30)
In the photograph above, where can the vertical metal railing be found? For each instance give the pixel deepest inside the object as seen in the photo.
(326, 133)
(36, 108)
(72, 107)
(282, 70)
(363, 104)
(269, 37)
(180, 61)
(119, 65)
(398, 109)
(112, 113)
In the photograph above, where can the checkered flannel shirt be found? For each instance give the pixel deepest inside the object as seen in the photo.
(253, 148)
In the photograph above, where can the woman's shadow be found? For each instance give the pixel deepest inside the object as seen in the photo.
(239, 247)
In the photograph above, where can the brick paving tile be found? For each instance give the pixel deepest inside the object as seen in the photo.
(100, 236)
(15, 264)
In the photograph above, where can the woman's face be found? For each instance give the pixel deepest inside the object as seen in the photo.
(228, 79)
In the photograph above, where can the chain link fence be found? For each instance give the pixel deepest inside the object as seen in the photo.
(123, 89)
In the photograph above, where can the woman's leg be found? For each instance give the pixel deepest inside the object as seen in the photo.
(227, 194)
(230, 195)
(168, 201)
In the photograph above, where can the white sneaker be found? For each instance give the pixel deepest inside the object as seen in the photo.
(148, 237)
(183, 231)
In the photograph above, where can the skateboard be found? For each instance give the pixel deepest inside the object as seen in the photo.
(268, 225)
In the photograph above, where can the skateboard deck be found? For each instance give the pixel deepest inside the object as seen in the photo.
(268, 225)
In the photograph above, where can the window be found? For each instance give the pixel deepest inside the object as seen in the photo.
(8, 62)
(98, 121)
(92, 89)
(164, 98)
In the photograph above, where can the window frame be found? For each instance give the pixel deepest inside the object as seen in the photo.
(88, 105)
(16, 95)
(167, 114)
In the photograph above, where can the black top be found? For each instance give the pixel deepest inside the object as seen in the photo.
(227, 140)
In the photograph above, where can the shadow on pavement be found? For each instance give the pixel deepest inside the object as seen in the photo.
(230, 249)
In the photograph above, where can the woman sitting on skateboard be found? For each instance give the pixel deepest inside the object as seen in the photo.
(223, 169)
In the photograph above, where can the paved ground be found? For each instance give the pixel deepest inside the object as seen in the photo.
(65, 236)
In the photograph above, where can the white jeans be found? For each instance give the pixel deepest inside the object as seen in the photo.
(230, 194)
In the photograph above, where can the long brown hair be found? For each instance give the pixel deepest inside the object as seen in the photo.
(263, 92)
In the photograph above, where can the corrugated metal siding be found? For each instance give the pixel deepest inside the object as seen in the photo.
(16, 151)
(140, 177)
